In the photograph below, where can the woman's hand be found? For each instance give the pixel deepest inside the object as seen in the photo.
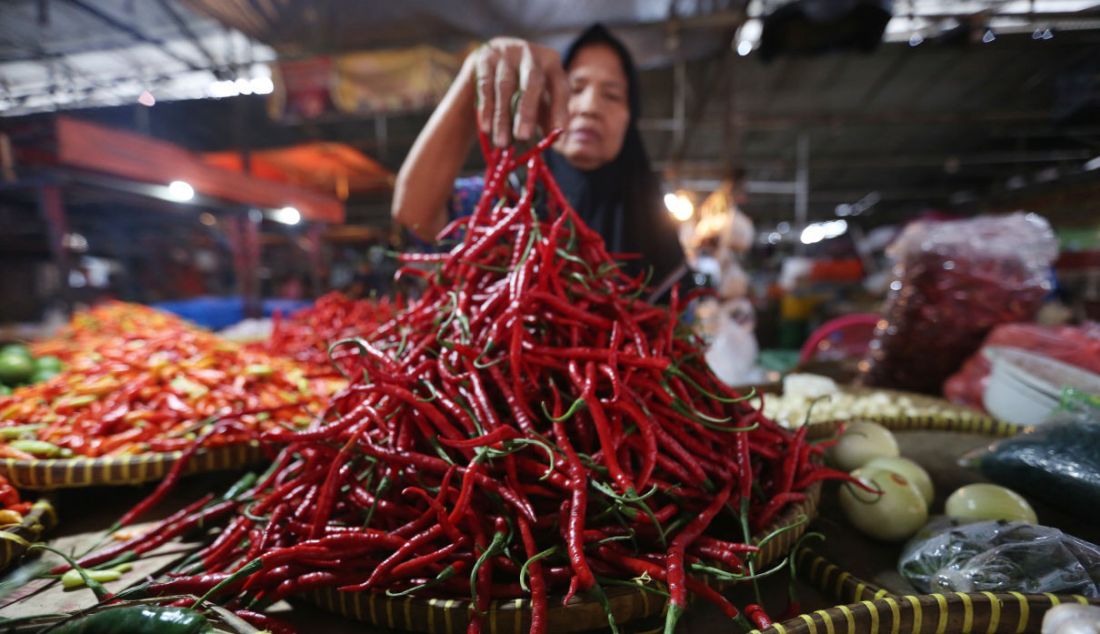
(507, 66)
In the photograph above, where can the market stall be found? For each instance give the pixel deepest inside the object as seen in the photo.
(723, 320)
(526, 415)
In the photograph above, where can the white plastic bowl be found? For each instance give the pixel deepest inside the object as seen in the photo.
(1024, 387)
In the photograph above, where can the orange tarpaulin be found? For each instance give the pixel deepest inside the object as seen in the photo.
(333, 168)
(120, 153)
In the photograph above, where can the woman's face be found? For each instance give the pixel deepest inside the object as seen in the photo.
(598, 108)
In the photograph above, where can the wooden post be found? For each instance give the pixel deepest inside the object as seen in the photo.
(244, 239)
(52, 207)
(316, 258)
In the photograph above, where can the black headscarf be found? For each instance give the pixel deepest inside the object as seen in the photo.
(622, 199)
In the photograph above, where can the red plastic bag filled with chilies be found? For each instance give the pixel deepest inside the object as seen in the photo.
(956, 281)
(1075, 345)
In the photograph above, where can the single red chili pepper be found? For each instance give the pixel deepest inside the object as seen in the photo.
(418, 564)
(777, 503)
(265, 622)
(727, 558)
(583, 579)
(183, 521)
(790, 465)
(824, 473)
(677, 588)
(519, 408)
(758, 616)
(337, 473)
(603, 430)
(169, 480)
(539, 601)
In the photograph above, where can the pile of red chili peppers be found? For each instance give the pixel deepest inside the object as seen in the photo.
(529, 428)
(153, 388)
(306, 335)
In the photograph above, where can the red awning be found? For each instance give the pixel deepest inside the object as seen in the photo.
(133, 156)
(332, 168)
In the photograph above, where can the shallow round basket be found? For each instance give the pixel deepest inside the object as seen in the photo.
(14, 540)
(931, 414)
(869, 607)
(952, 613)
(450, 616)
(63, 473)
(937, 415)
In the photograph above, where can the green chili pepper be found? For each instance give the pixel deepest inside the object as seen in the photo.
(38, 448)
(79, 401)
(240, 486)
(144, 618)
(72, 579)
(17, 431)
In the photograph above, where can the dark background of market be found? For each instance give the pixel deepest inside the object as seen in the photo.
(957, 108)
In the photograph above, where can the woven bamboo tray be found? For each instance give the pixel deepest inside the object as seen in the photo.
(871, 608)
(954, 613)
(119, 470)
(14, 540)
(932, 414)
(941, 415)
(450, 616)
(843, 586)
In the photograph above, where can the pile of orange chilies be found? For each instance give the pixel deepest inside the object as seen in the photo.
(109, 319)
(137, 381)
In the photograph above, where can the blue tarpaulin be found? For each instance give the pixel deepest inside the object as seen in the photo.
(216, 313)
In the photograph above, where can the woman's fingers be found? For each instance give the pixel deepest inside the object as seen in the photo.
(485, 68)
(506, 85)
(531, 83)
(516, 83)
(557, 87)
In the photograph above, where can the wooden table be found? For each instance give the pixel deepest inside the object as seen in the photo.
(85, 513)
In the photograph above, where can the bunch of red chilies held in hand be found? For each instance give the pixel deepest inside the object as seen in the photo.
(528, 429)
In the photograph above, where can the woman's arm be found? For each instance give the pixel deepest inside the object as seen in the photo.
(480, 96)
(427, 176)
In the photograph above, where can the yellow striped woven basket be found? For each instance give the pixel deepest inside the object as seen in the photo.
(954, 613)
(872, 608)
(450, 616)
(117, 470)
(941, 415)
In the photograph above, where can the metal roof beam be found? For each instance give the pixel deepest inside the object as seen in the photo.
(119, 25)
(714, 167)
(185, 29)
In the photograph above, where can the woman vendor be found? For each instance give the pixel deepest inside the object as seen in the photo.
(599, 161)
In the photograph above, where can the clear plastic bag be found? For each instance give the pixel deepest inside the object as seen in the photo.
(954, 282)
(732, 353)
(1000, 557)
(1076, 345)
